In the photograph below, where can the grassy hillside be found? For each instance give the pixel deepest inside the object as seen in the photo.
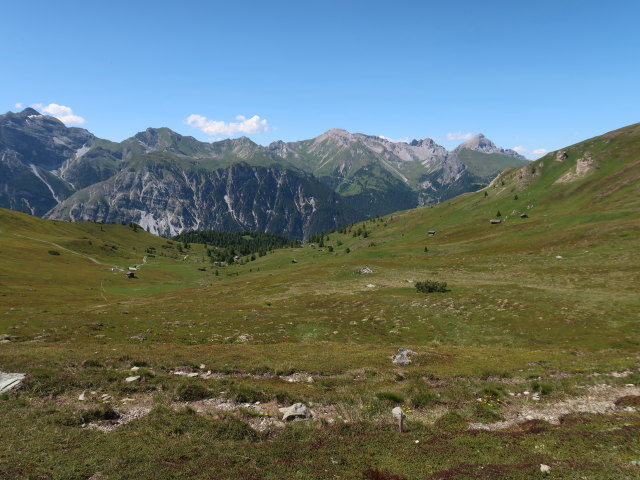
(545, 305)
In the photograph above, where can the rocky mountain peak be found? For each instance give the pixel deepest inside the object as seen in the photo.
(480, 143)
(428, 142)
(337, 132)
(337, 135)
(27, 112)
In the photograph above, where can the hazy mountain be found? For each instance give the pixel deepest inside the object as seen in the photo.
(480, 143)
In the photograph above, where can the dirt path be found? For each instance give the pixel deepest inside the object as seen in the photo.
(98, 262)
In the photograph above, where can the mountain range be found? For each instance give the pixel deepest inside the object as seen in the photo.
(169, 183)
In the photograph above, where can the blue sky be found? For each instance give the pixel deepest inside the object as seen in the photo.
(536, 75)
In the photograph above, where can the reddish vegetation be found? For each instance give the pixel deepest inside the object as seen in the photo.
(486, 472)
(628, 401)
(533, 426)
(373, 474)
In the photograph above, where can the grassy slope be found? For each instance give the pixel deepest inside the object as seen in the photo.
(515, 312)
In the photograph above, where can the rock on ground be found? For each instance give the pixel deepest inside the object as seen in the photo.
(402, 356)
(9, 381)
(297, 410)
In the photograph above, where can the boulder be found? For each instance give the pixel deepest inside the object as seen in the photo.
(9, 381)
(398, 413)
(402, 356)
(297, 410)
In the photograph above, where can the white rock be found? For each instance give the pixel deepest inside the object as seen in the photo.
(397, 413)
(135, 369)
(82, 398)
(545, 468)
(402, 356)
(132, 379)
(9, 381)
(202, 366)
(297, 410)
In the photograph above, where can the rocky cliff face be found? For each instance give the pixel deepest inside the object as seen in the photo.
(167, 199)
(32, 146)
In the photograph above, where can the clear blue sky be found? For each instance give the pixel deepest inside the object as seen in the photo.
(540, 75)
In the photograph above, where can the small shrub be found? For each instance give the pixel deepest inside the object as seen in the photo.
(424, 399)
(192, 392)
(284, 398)
(390, 397)
(451, 421)
(430, 286)
(246, 395)
(543, 388)
(92, 363)
(486, 412)
(103, 412)
(54, 252)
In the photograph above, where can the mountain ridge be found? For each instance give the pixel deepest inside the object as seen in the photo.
(374, 176)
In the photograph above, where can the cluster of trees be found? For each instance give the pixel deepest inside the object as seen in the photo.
(229, 245)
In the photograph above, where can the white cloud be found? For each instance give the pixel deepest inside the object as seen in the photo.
(519, 149)
(249, 126)
(18, 105)
(459, 136)
(540, 151)
(393, 140)
(62, 113)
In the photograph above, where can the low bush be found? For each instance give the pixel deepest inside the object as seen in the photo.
(543, 388)
(424, 399)
(430, 286)
(390, 397)
(192, 392)
(242, 394)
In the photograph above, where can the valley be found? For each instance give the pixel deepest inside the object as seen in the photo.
(530, 358)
